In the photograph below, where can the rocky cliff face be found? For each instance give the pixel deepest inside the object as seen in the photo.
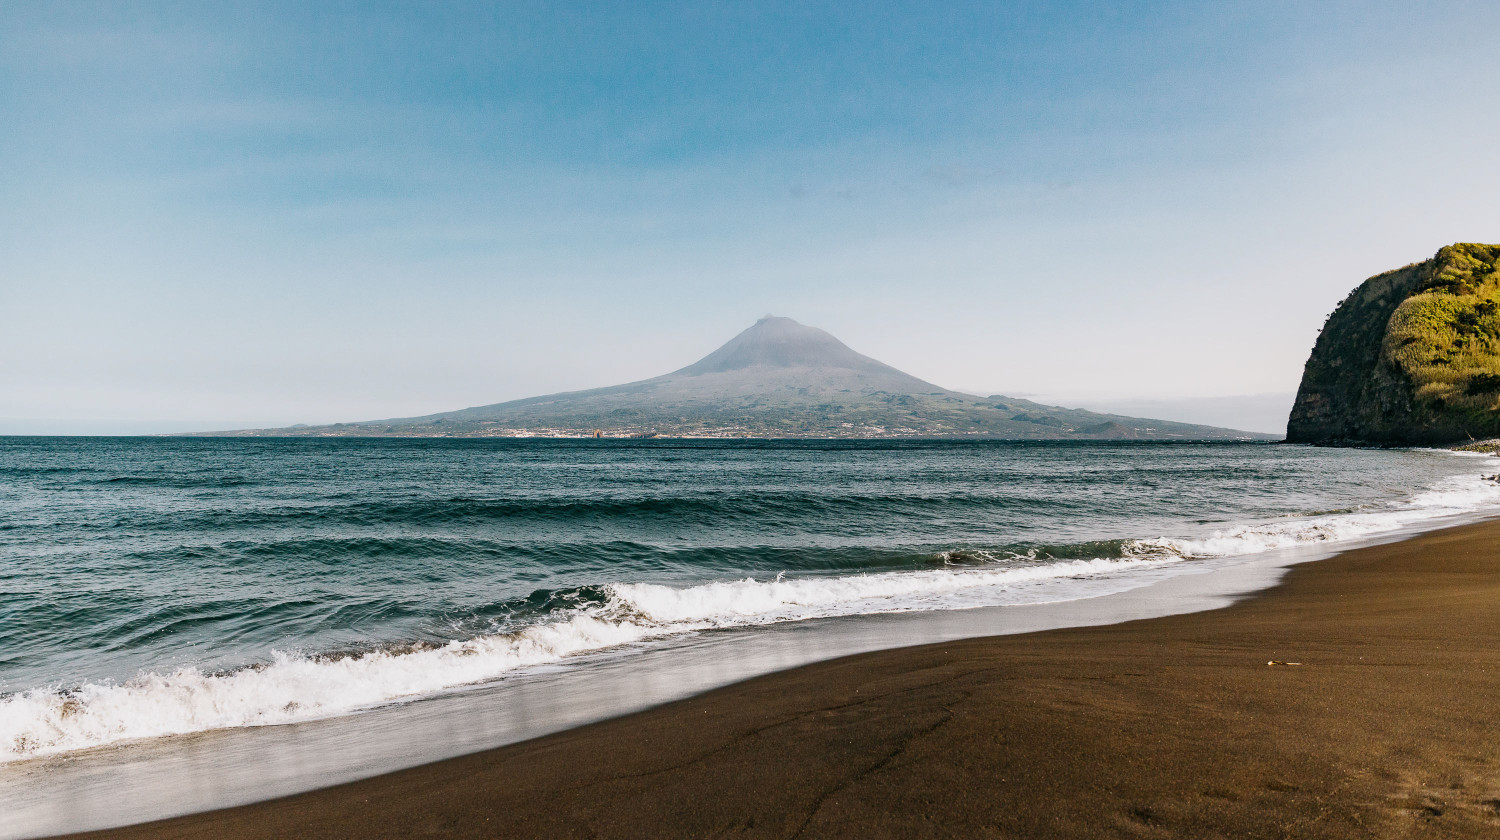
(1411, 357)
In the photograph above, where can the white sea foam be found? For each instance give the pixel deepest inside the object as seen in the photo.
(52, 720)
(295, 688)
(749, 601)
(1456, 496)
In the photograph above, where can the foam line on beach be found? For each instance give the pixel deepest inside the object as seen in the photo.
(304, 686)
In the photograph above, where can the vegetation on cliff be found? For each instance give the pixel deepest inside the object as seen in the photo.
(1412, 356)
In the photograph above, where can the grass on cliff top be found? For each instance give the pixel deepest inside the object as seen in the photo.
(1446, 337)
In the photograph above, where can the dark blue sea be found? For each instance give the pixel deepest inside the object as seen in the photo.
(154, 586)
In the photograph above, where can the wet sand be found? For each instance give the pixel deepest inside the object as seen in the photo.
(1165, 727)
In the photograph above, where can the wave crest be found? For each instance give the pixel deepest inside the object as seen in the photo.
(297, 687)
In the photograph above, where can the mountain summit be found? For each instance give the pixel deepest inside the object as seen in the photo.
(782, 342)
(776, 379)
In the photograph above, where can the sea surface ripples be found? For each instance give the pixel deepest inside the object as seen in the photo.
(159, 586)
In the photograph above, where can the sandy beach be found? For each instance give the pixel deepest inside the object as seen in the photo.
(1171, 726)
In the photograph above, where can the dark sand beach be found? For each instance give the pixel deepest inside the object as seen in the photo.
(1168, 727)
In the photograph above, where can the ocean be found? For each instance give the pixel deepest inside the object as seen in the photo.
(161, 586)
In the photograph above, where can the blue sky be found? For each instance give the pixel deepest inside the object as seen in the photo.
(271, 213)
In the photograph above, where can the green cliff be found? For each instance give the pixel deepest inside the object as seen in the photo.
(1411, 357)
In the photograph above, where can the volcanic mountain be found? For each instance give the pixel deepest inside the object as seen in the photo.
(777, 379)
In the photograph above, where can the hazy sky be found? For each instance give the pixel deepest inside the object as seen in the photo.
(253, 213)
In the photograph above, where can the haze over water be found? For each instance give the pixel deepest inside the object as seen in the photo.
(157, 586)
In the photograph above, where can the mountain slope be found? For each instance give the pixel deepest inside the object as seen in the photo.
(778, 378)
(1410, 357)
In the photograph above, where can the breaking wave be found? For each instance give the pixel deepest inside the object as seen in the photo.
(298, 686)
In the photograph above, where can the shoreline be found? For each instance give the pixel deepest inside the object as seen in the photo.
(153, 779)
(1115, 730)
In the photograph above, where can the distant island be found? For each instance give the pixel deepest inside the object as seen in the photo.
(1410, 358)
(777, 379)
